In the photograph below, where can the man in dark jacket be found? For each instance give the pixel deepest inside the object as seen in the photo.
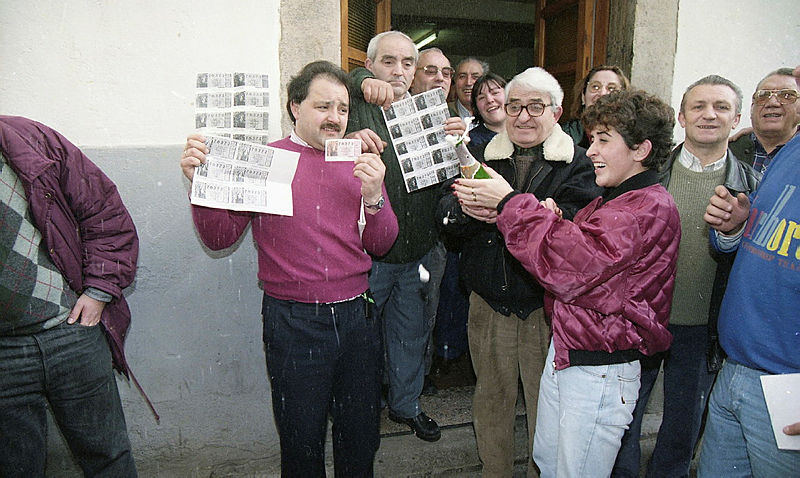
(535, 156)
(403, 279)
(710, 109)
(68, 248)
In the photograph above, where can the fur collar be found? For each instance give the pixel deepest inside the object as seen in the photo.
(557, 147)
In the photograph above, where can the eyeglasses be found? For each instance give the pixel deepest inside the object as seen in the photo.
(596, 86)
(433, 70)
(785, 97)
(533, 109)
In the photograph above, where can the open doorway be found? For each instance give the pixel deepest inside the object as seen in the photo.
(498, 32)
(567, 37)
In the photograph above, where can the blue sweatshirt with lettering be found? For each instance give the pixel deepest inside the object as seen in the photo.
(759, 323)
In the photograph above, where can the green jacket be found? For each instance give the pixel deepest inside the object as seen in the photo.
(415, 211)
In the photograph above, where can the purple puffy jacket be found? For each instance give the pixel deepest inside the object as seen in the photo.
(88, 232)
(609, 274)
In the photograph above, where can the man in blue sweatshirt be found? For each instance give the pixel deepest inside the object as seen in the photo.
(759, 326)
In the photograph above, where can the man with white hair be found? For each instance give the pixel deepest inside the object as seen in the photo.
(399, 280)
(508, 334)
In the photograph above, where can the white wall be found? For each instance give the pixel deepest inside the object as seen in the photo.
(116, 73)
(117, 78)
(742, 40)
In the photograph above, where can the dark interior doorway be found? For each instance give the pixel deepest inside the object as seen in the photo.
(498, 32)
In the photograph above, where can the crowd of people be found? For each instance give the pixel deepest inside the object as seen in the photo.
(593, 257)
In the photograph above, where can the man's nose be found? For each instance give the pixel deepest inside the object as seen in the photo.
(710, 112)
(334, 115)
(773, 101)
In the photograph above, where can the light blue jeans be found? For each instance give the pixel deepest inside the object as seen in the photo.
(738, 439)
(583, 413)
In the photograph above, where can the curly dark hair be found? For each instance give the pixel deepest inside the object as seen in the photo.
(297, 91)
(637, 116)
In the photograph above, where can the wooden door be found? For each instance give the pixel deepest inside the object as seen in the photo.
(571, 37)
(362, 20)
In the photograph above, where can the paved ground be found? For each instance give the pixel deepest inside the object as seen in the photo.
(401, 454)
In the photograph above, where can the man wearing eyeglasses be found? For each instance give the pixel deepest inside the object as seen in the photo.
(508, 333)
(710, 109)
(433, 71)
(758, 324)
(774, 117)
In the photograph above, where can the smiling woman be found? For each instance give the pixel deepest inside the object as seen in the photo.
(601, 80)
(488, 99)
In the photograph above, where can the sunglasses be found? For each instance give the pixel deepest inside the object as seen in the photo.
(785, 97)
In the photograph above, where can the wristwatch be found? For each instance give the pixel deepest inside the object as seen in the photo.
(377, 206)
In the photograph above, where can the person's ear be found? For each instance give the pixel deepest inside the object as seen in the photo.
(557, 113)
(642, 150)
(736, 120)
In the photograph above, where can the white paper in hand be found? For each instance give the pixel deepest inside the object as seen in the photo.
(782, 394)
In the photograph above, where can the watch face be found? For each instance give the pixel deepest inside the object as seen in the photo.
(378, 205)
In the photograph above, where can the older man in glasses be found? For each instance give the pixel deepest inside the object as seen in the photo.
(508, 334)
(433, 71)
(774, 116)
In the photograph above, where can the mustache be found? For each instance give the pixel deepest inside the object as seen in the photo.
(333, 126)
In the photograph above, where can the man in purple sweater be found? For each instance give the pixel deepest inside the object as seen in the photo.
(323, 346)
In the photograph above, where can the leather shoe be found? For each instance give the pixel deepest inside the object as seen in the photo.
(424, 426)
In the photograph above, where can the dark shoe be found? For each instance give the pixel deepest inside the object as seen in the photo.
(428, 387)
(424, 427)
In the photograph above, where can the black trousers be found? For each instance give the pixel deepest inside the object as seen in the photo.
(324, 359)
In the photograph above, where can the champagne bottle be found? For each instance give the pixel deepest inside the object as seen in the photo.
(470, 167)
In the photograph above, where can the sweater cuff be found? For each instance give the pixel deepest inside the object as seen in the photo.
(503, 201)
(98, 294)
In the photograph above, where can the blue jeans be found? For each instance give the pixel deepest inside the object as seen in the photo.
(583, 412)
(400, 301)
(437, 258)
(450, 334)
(324, 359)
(738, 438)
(687, 383)
(69, 368)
